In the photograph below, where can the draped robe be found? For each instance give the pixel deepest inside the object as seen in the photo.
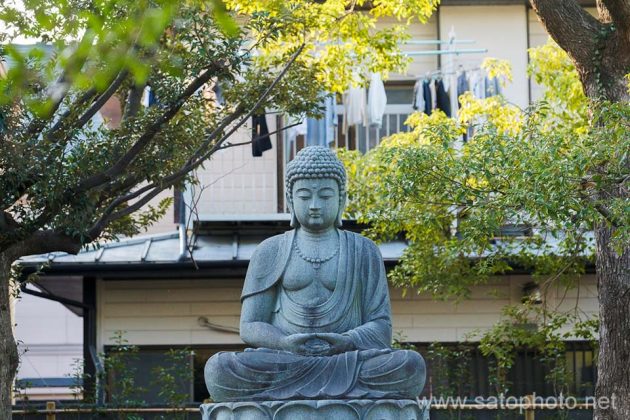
(358, 307)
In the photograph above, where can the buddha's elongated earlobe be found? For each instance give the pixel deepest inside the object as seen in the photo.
(342, 207)
(294, 221)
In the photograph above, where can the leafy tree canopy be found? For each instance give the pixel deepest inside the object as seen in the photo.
(63, 174)
(519, 192)
(529, 172)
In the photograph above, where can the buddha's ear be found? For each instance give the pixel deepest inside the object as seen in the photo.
(342, 206)
(294, 221)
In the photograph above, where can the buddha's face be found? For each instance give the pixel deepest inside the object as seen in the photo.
(316, 203)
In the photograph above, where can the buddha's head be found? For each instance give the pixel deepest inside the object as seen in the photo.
(316, 188)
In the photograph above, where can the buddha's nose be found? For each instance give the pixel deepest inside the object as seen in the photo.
(314, 204)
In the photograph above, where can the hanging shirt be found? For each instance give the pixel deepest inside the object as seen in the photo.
(477, 84)
(260, 135)
(418, 95)
(377, 101)
(462, 84)
(426, 96)
(148, 97)
(433, 95)
(493, 87)
(321, 131)
(452, 95)
(301, 129)
(443, 100)
(355, 106)
(218, 94)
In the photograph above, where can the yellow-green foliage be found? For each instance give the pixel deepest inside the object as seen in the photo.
(93, 51)
(451, 200)
(343, 44)
(552, 68)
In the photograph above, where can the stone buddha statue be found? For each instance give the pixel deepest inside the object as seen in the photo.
(315, 307)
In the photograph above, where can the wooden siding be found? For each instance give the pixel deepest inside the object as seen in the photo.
(166, 312)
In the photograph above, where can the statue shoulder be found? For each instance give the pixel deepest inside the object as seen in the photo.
(270, 246)
(266, 264)
(268, 252)
(367, 244)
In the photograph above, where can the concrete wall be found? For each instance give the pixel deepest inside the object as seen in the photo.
(500, 29)
(166, 312)
(420, 64)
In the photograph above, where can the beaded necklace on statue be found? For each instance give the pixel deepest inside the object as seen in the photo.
(316, 262)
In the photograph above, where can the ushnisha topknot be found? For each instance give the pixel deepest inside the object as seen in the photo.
(315, 162)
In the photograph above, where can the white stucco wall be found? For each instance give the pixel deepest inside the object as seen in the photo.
(502, 30)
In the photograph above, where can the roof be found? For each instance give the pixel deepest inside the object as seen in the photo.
(220, 243)
(217, 243)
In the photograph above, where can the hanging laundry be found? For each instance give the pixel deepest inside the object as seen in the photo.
(418, 95)
(297, 127)
(218, 94)
(321, 131)
(493, 87)
(148, 97)
(377, 101)
(452, 94)
(354, 102)
(432, 87)
(260, 135)
(477, 84)
(426, 95)
(443, 100)
(462, 85)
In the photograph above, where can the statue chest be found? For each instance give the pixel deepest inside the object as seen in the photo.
(304, 283)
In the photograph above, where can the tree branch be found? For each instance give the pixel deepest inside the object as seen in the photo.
(63, 85)
(43, 241)
(619, 12)
(147, 136)
(109, 216)
(99, 102)
(132, 105)
(601, 209)
(572, 27)
(87, 95)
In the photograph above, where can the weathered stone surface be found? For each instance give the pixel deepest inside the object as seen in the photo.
(316, 309)
(317, 409)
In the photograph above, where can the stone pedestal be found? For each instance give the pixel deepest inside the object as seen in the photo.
(317, 409)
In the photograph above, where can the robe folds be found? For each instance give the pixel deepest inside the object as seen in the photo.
(359, 308)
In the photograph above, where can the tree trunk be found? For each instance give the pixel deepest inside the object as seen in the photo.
(8, 347)
(600, 49)
(613, 269)
(613, 279)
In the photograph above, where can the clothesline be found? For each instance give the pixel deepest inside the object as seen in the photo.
(441, 73)
(447, 52)
(439, 89)
(438, 41)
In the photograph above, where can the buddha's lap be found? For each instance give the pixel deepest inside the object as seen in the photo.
(258, 369)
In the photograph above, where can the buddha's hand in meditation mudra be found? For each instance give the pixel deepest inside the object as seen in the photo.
(322, 344)
(316, 309)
